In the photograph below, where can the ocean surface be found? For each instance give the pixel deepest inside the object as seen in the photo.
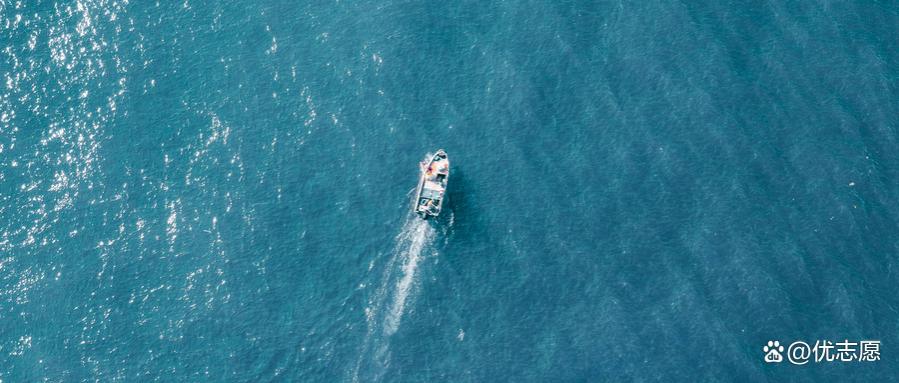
(220, 190)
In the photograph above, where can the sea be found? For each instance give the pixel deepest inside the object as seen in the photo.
(646, 191)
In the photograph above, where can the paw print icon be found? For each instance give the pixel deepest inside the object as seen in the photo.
(773, 352)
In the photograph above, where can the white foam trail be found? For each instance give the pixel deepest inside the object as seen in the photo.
(412, 244)
(393, 294)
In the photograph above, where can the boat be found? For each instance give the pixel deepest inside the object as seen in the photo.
(431, 191)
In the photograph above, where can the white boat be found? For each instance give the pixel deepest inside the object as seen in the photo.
(429, 196)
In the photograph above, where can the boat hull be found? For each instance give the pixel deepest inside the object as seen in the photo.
(430, 195)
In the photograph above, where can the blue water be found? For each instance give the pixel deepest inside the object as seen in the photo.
(219, 191)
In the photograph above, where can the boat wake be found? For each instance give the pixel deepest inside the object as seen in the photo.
(394, 289)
